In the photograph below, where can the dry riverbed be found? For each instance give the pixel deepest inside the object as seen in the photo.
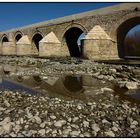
(104, 102)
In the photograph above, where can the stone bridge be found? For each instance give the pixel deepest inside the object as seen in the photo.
(105, 30)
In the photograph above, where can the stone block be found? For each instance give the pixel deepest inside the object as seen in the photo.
(51, 50)
(23, 49)
(99, 49)
(8, 48)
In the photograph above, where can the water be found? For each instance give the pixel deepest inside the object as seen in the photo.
(83, 87)
(10, 85)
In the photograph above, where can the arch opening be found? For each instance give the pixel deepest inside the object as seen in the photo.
(35, 40)
(5, 39)
(18, 37)
(132, 43)
(123, 34)
(72, 38)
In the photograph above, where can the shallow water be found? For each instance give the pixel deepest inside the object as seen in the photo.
(82, 87)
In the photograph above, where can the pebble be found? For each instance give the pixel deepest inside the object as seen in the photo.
(74, 133)
(86, 124)
(38, 119)
(7, 127)
(115, 129)
(66, 131)
(6, 103)
(75, 119)
(95, 127)
(53, 117)
(6, 120)
(60, 123)
(79, 107)
(42, 132)
(110, 134)
(107, 89)
(134, 123)
(42, 125)
(131, 85)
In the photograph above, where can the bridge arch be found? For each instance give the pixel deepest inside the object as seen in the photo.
(4, 39)
(123, 26)
(70, 37)
(18, 36)
(37, 36)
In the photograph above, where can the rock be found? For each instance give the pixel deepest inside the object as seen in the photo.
(132, 126)
(86, 124)
(6, 103)
(113, 71)
(13, 135)
(69, 119)
(74, 133)
(38, 119)
(107, 89)
(53, 117)
(2, 109)
(7, 127)
(89, 104)
(114, 128)
(42, 132)
(6, 120)
(95, 127)
(86, 134)
(79, 107)
(66, 131)
(134, 123)
(131, 85)
(75, 119)
(60, 123)
(100, 77)
(17, 128)
(54, 132)
(21, 121)
(1, 130)
(110, 134)
(42, 125)
(105, 121)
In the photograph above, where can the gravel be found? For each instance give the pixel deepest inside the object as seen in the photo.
(99, 113)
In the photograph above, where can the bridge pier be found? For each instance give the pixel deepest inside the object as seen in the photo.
(98, 45)
(23, 46)
(50, 46)
(8, 48)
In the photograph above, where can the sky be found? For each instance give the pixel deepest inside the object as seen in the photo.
(15, 15)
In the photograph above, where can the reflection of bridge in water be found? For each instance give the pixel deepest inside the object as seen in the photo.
(66, 84)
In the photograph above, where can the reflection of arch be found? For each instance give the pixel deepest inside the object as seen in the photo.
(4, 39)
(35, 39)
(122, 28)
(73, 83)
(18, 35)
(70, 37)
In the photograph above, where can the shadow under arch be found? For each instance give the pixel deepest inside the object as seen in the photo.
(70, 37)
(36, 38)
(122, 31)
(18, 36)
(4, 39)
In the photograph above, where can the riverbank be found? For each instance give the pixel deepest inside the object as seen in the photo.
(104, 114)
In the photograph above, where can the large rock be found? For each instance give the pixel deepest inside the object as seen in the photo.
(131, 85)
